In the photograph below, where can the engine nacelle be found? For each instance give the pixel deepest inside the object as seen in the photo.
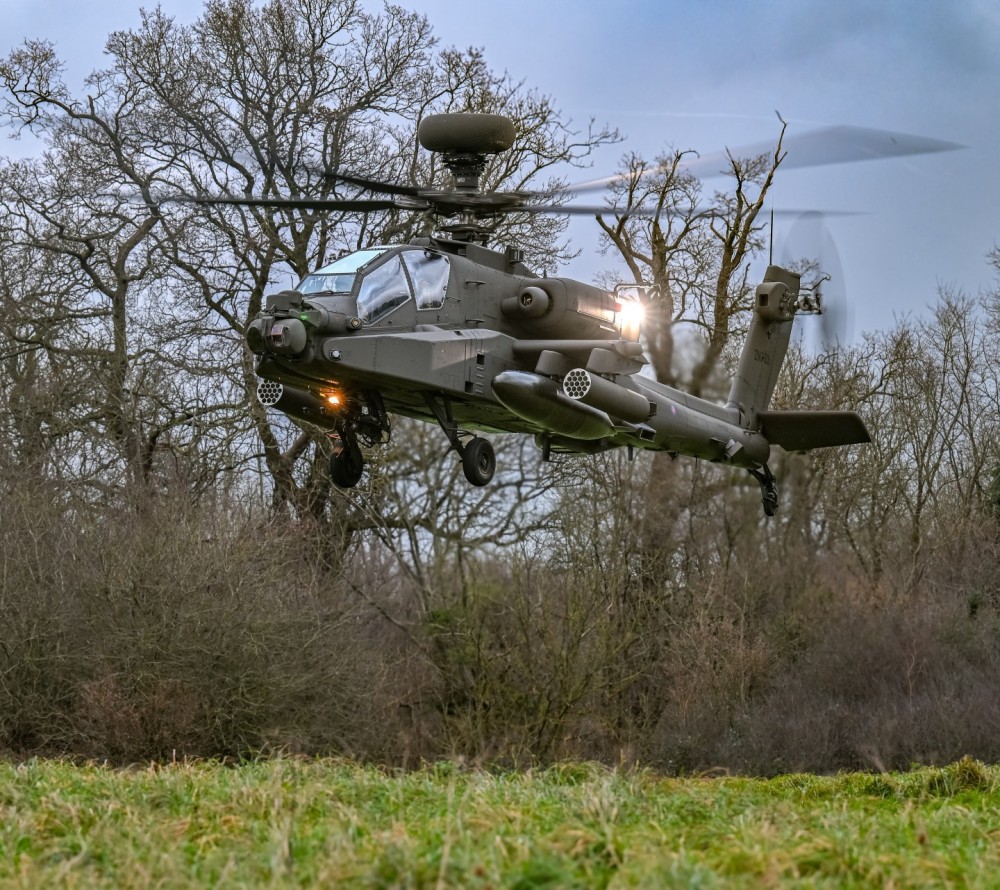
(563, 308)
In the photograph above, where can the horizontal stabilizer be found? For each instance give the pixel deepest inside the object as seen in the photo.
(805, 430)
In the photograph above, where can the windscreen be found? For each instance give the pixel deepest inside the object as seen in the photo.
(339, 276)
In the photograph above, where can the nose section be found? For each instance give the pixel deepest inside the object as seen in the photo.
(288, 336)
(285, 325)
(331, 315)
(279, 336)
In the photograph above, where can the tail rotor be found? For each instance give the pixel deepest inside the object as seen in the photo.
(809, 249)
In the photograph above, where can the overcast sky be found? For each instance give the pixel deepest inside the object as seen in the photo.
(704, 75)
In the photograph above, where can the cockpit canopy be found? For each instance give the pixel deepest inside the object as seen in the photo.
(383, 279)
(339, 276)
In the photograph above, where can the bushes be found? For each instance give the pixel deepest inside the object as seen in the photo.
(882, 689)
(174, 630)
(166, 628)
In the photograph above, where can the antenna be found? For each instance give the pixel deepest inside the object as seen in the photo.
(770, 246)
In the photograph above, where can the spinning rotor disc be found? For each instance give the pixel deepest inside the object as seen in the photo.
(463, 140)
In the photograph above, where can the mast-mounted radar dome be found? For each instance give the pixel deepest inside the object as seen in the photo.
(466, 133)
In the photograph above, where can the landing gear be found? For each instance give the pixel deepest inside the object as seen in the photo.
(346, 463)
(768, 489)
(364, 419)
(479, 460)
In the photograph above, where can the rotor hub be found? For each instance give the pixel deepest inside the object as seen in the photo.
(466, 169)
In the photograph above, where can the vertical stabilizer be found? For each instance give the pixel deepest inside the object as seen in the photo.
(767, 342)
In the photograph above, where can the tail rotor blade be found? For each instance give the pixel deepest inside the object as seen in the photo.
(809, 248)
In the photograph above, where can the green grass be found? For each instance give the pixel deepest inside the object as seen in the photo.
(307, 823)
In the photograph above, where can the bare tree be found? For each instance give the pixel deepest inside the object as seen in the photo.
(694, 258)
(263, 100)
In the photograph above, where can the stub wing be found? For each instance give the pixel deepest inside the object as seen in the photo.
(806, 430)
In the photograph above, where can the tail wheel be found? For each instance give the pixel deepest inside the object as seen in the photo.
(479, 461)
(768, 489)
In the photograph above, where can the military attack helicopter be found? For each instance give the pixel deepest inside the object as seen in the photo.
(447, 330)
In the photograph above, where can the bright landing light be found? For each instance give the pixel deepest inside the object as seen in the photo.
(630, 316)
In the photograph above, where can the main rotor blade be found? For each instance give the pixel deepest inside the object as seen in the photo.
(359, 204)
(840, 144)
(816, 148)
(373, 185)
(591, 210)
(649, 212)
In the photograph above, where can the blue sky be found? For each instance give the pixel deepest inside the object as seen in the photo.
(708, 74)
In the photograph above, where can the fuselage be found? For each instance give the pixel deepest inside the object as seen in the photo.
(440, 320)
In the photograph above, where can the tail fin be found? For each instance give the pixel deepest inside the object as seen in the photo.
(767, 342)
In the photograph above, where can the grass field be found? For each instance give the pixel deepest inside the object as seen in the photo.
(306, 823)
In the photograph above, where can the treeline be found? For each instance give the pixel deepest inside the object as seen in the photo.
(590, 608)
(180, 577)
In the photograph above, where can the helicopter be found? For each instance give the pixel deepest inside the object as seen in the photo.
(448, 330)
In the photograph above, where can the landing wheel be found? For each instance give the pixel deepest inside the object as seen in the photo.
(346, 463)
(479, 461)
(768, 489)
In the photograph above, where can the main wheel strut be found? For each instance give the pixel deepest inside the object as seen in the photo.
(479, 461)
